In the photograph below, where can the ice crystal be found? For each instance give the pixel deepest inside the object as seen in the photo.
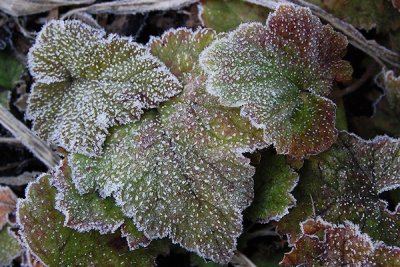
(344, 183)
(44, 233)
(274, 180)
(87, 82)
(324, 244)
(179, 172)
(280, 74)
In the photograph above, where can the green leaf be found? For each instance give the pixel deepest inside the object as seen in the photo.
(324, 244)
(87, 82)
(91, 212)
(179, 49)
(344, 183)
(226, 15)
(9, 247)
(280, 74)
(44, 233)
(10, 70)
(179, 172)
(274, 180)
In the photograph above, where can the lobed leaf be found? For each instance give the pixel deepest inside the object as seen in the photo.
(280, 74)
(9, 247)
(8, 201)
(87, 82)
(274, 180)
(344, 183)
(44, 233)
(226, 15)
(90, 212)
(324, 244)
(179, 172)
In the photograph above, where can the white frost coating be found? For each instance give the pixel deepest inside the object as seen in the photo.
(280, 75)
(87, 82)
(186, 180)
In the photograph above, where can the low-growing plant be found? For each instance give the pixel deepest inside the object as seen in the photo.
(153, 140)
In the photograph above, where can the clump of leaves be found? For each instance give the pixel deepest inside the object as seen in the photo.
(154, 139)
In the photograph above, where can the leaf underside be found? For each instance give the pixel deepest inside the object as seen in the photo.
(280, 74)
(43, 230)
(87, 82)
(324, 244)
(8, 201)
(344, 183)
(179, 172)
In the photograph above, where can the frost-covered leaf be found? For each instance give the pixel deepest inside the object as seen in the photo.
(10, 70)
(324, 244)
(179, 49)
(44, 233)
(91, 212)
(386, 117)
(280, 75)
(9, 247)
(8, 201)
(179, 172)
(344, 183)
(87, 82)
(226, 15)
(274, 180)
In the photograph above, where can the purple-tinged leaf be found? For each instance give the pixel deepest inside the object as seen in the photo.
(280, 74)
(324, 244)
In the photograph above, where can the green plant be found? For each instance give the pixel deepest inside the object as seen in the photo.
(153, 139)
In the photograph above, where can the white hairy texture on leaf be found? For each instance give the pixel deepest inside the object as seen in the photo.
(87, 82)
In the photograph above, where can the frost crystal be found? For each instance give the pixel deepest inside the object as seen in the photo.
(87, 82)
(324, 244)
(344, 183)
(179, 172)
(280, 74)
(44, 233)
